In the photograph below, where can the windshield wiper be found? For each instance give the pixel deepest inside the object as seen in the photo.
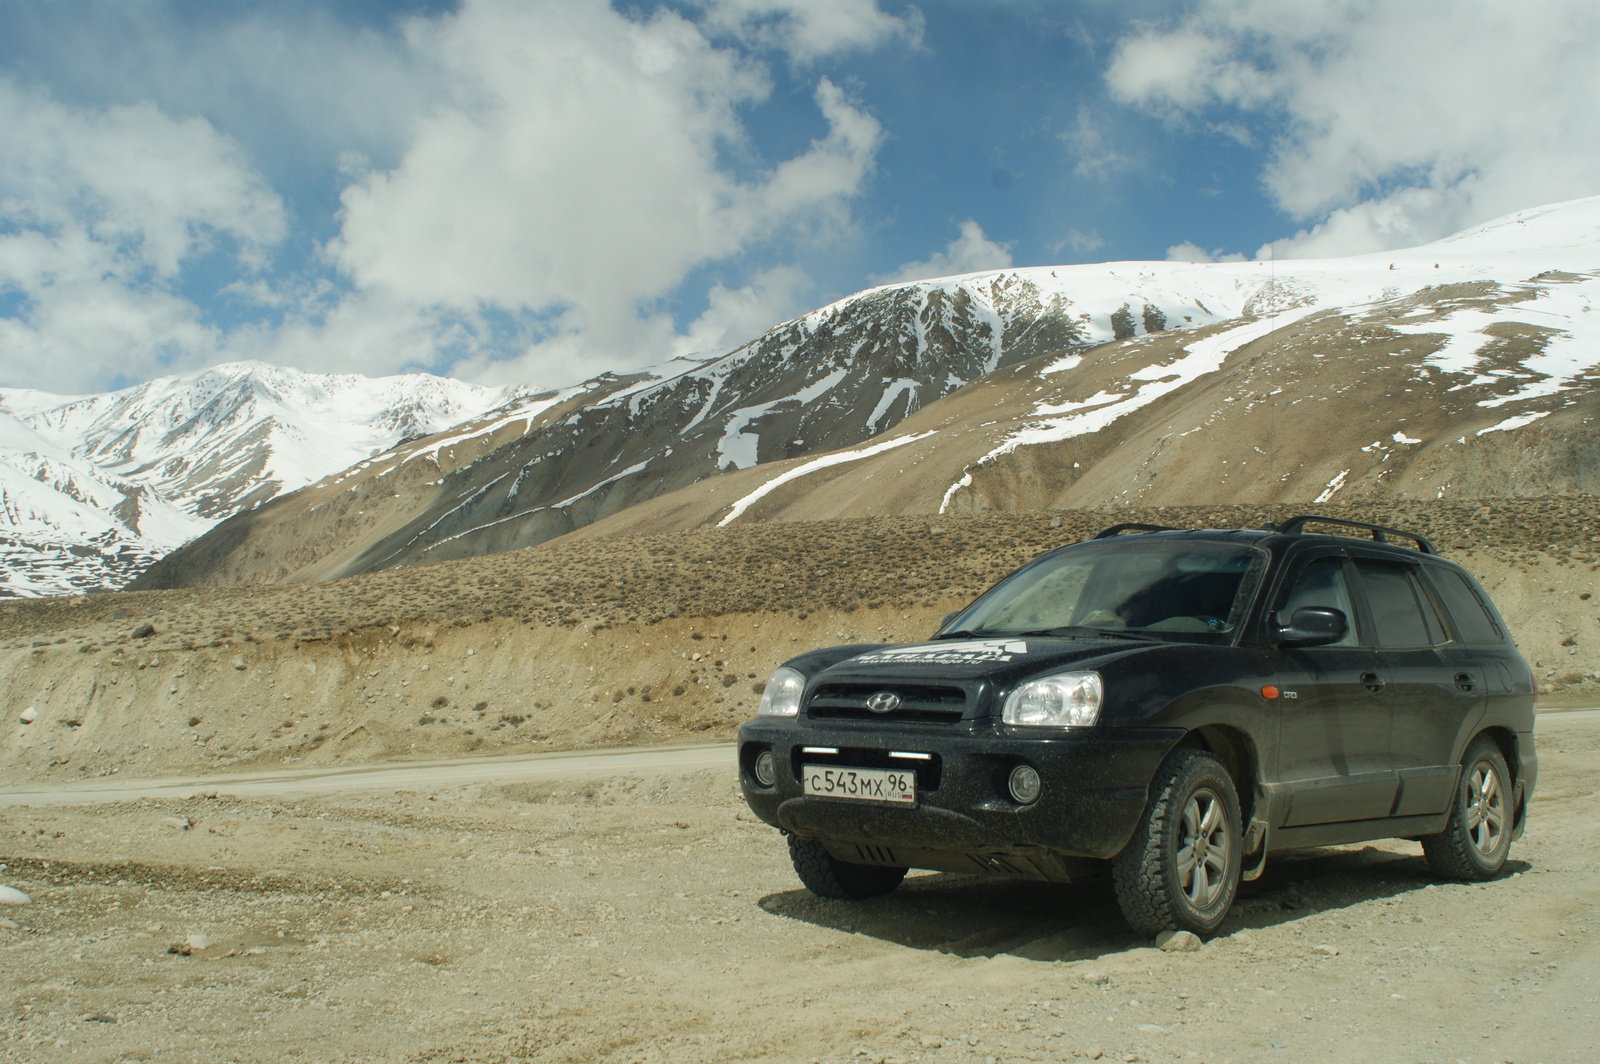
(961, 633)
(1077, 630)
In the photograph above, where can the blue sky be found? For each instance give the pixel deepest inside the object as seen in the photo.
(539, 191)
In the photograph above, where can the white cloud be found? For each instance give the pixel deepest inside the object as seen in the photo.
(1189, 252)
(296, 82)
(734, 316)
(810, 29)
(731, 317)
(1094, 154)
(1080, 242)
(576, 172)
(525, 185)
(1400, 123)
(99, 212)
(971, 252)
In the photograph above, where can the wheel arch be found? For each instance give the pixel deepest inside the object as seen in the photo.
(1239, 756)
(1508, 743)
(1506, 740)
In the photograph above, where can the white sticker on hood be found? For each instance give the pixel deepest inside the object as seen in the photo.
(975, 652)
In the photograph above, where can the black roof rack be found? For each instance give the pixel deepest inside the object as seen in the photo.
(1379, 532)
(1117, 530)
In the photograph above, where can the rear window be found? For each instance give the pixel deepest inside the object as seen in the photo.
(1402, 614)
(1472, 621)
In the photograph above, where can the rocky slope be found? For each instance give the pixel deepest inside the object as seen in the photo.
(1463, 369)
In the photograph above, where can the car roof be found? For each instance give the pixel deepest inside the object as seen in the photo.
(1284, 533)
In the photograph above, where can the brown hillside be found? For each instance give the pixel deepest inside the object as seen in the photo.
(606, 641)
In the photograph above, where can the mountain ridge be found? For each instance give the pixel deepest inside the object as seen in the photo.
(95, 488)
(1115, 384)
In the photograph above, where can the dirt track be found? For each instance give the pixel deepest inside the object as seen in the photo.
(646, 918)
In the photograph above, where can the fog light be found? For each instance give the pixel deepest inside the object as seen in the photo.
(1024, 784)
(766, 768)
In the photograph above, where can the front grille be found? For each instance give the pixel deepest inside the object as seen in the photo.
(924, 703)
(928, 772)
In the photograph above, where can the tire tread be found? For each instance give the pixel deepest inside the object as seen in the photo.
(1139, 872)
(828, 877)
(1449, 853)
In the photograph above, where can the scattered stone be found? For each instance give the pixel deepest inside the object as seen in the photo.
(1326, 950)
(99, 1017)
(197, 941)
(144, 631)
(1094, 978)
(182, 823)
(1094, 1053)
(9, 925)
(1178, 942)
(13, 896)
(238, 663)
(29, 715)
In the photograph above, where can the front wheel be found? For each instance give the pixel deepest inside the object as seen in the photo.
(828, 877)
(1477, 838)
(1180, 872)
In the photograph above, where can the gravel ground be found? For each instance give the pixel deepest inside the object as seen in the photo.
(647, 918)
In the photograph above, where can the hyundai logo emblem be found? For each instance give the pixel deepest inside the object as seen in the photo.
(884, 702)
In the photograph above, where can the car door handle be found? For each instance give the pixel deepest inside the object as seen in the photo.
(1466, 681)
(1373, 682)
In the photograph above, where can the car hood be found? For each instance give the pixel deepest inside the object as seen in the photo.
(1002, 660)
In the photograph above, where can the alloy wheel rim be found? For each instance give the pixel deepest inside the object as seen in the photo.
(1485, 808)
(1203, 849)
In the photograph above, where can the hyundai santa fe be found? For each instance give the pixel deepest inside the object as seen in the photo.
(1169, 705)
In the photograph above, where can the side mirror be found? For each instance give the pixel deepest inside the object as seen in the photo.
(947, 618)
(1312, 626)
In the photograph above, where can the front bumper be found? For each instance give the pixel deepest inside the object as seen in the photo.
(1095, 786)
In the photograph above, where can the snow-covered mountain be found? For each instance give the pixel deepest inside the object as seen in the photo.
(1464, 367)
(94, 488)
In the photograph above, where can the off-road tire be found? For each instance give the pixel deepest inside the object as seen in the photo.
(1180, 871)
(1477, 839)
(828, 877)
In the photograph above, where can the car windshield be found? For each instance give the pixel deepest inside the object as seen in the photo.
(1188, 588)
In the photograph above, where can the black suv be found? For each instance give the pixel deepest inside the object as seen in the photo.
(1178, 703)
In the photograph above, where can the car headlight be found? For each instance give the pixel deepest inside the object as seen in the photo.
(1067, 699)
(782, 696)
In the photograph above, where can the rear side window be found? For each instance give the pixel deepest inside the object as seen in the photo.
(1402, 614)
(1472, 622)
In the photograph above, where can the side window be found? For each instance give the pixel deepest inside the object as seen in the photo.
(1402, 613)
(1320, 582)
(1472, 622)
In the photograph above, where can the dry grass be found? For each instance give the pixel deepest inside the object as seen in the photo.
(787, 568)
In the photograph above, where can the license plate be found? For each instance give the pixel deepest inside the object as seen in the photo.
(893, 785)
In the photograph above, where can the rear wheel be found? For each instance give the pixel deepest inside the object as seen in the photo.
(828, 877)
(1477, 839)
(1180, 872)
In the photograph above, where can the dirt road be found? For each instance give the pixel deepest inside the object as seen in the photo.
(618, 911)
(385, 779)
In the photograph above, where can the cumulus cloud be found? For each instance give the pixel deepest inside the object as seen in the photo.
(809, 29)
(100, 210)
(1188, 252)
(971, 252)
(576, 173)
(524, 191)
(1398, 123)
